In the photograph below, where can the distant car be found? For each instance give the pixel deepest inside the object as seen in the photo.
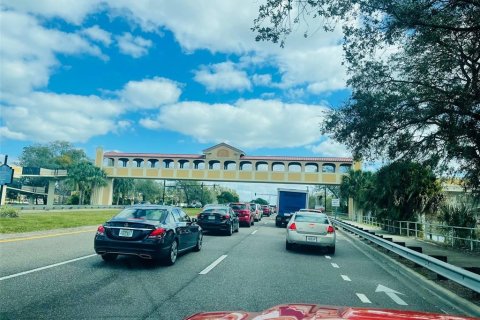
(245, 216)
(267, 211)
(153, 232)
(219, 218)
(257, 211)
(310, 229)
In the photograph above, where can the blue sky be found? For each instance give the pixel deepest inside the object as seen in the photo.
(163, 77)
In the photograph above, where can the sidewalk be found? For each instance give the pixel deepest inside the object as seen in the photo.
(464, 259)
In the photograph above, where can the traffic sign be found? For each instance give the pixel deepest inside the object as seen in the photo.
(6, 174)
(335, 202)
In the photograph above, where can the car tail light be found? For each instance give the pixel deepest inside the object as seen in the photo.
(293, 226)
(330, 229)
(101, 230)
(227, 216)
(157, 233)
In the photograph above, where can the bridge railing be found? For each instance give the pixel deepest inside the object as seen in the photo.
(445, 234)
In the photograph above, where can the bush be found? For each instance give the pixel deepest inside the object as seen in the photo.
(8, 212)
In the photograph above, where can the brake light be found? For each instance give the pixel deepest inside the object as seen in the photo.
(293, 226)
(330, 229)
(227, 216)
(101, 230)
(159, 232)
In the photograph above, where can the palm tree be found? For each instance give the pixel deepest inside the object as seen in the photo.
(85, 177)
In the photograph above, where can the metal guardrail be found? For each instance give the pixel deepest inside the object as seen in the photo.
(461, 276)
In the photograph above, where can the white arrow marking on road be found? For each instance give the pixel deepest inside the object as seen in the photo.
(335, 265)
(392, 294)
(363, 298)
(346, 278)
(328, 257)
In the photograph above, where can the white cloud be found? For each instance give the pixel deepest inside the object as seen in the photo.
(133, 46)
(262, 80)
(223, 76)
(28, 52)
(247, 123)
(98, 34)
(49, 116)
(9, 134)
(72, 11)
(330, 148)
(150, 93)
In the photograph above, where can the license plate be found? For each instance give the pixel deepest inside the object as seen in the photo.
(312, 239)
(125, 233)
(211, 217)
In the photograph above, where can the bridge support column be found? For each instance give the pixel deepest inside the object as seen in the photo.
(103, 195)
(50, 193)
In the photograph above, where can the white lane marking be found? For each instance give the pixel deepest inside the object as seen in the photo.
(46, 267)
(346, 278)
(363, 298)
(335, 265)
(213, 265)
(328, 257)
(254, 232)
(392, 294)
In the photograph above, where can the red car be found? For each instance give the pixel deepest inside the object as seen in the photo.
(317, 312)
(245, 216)
(266, 210)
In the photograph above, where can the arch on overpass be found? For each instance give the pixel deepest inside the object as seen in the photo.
(221, 162)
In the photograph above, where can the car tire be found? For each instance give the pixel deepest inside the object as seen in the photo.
(277, 224)
(230, 230)
(288, 246)
(238, 227)
(172, 254)
(109, 257)
(253, 222)
(199, 244)
(331, 250)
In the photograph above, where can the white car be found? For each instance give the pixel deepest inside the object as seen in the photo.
(311, 229)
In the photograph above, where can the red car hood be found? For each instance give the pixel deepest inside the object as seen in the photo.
(316, 312)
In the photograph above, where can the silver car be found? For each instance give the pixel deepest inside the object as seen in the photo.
(311, 229)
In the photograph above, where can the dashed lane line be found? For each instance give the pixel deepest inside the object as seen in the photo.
(335, 265)
(328, 257)
(254, 232)
(346, 278)
(363, 298)
(46, 267)
(213, 265)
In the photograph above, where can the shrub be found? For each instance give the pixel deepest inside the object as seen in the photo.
(8, 212)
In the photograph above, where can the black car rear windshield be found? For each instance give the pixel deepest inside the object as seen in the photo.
(315, 219)
(143, 214)
(215, 210)
(238, 206)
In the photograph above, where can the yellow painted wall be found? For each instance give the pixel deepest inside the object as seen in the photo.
(137, 172)
(312, 177)
(198, 174)
(213, 174)
(278, 176)
(245, 175)
(182, 173)
(230, 175)
(261, 175)
(329, 178)
(122, 172)
(167, 173)
(152, 173)
(295, 176)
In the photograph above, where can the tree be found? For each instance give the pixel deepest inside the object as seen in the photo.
(151, 190)
(122, 189)
(227, 197)
(260, 201)
(85, 177)
(405, 190)
(413, 70)
(356, 185)
(53, 155)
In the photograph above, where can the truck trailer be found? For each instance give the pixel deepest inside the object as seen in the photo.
(289, 201)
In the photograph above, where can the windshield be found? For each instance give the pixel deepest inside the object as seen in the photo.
(238, 206)
(143, 214)
(222, 211)
(309, 218)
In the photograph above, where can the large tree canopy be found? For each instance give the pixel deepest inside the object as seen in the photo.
(413, 69)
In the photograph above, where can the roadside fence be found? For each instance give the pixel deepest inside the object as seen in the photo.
(458, 237)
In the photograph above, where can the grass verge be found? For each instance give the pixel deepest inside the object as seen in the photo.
(40, 221)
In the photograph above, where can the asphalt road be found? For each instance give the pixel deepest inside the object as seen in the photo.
(59, 277)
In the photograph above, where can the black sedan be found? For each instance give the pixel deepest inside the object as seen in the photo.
(150, 232)
(219, 218)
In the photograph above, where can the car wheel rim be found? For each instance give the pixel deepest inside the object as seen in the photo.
(173, 251)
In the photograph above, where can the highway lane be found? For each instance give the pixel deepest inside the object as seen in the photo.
(256, 272)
